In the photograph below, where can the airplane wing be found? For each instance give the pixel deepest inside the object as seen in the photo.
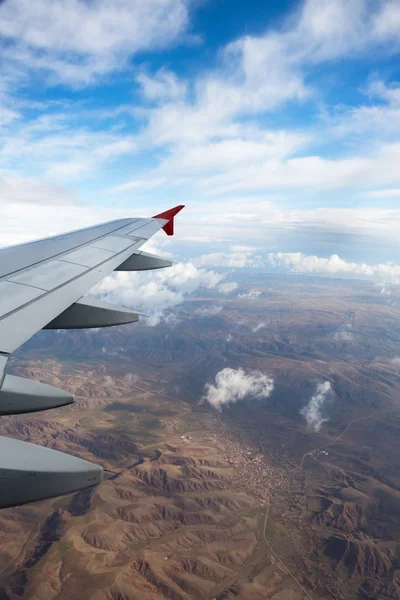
(43, 286)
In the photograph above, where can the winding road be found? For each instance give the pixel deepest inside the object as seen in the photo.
(339, 437)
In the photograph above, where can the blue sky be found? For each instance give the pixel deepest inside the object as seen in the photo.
(276, 123)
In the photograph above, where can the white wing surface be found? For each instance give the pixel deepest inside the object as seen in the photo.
(43, 285)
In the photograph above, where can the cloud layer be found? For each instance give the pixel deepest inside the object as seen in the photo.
(232, 385)
(312, 412)
(155, 293)
(297, 262)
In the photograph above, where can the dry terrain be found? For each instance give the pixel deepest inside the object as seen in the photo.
(244, 504)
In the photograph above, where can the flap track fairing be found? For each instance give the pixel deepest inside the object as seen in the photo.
(29, 473)
(19, 395)
(89, 313)
(144, 262)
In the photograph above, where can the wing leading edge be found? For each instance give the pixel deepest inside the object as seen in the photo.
(42, 286)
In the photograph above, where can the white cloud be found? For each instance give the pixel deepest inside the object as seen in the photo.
(395, 361)
(394, 193)
(250, 295)
(139, 184)
(204, 129)
(209, 311)
(223, 259)
(376, 119)
(76, 41)
(232, 385)
(258, 327)
(343, 335)
(372, 167)
(19, 190)
(301, 263)
(58, 149)
(312, 412)
(320, 31)
(163, 85)
(383, 289)
(228, 287)
(155, 293)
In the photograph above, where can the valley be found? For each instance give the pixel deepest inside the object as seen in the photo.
(246, 503)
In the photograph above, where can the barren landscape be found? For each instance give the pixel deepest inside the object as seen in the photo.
(251, 502)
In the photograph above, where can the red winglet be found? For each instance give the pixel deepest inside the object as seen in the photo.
(169, 215)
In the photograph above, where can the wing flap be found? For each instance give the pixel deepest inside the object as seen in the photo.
(49, 275)
(112, 243)
(15, 295)
(88, 256)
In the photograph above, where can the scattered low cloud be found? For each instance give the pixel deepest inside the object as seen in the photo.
(209, 311)
(237, 259)
(232, 385)
(344, 334)
(227, 288)
(250, 295)
(155, 293)
(229, 337)
(312, 412)
(258, 327)
(383, 289)
(395, 361)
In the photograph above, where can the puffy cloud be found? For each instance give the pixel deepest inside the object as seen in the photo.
(302, 263)
(209, 311)
(258, 327)
(232, 385)
(312, 412)
(319, 32)
(383, 289)
(236, 259)
(395, 361)
(227, 288)
(343, 335)
(206, 130)
(250, 295)
(155, 293)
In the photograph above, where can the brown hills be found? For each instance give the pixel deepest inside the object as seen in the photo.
(249, 504)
